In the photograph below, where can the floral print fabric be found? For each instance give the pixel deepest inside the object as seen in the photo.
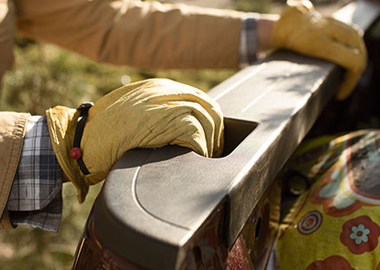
(360, 235)
(336, 223)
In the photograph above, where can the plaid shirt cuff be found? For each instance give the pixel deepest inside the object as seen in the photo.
(35, 197)
(248, 40)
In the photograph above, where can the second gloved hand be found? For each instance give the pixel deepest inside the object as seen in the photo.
(147, 114)
(302, 29)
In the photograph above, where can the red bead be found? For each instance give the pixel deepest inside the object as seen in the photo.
(75, 153)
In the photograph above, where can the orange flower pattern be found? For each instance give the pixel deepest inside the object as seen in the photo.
(360, 234)
(331, 263)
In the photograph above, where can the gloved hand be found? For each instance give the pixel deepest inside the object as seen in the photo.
(147, 114)
(302, 29)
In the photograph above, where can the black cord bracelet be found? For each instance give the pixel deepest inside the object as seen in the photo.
(76, 152)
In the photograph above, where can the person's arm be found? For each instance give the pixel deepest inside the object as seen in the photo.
(256, 36)
(35, 198)
(136, 33)
(7, 32)
(12, 131)
(155, 112)
(154, 35)
(264, 31)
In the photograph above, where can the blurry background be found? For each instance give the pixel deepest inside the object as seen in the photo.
(45, 76)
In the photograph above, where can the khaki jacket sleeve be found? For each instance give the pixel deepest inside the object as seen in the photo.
(7, 32)
(12, 132)
(141, 34)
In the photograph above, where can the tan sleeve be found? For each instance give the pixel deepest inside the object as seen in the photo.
(141, 34)
(5, 223)
(7, 32)
(12, 132)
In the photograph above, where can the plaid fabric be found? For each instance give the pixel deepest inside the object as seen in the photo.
(35, 198)
(248, 40)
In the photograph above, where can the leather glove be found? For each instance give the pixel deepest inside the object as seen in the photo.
(302, 29)
(147, 114)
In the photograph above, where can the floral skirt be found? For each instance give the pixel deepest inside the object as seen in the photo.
(335, 224)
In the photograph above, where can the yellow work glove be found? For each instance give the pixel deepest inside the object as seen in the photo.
(147, 114)
(302, 29)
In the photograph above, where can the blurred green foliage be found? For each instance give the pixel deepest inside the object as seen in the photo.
(45, 76)
(261, 6)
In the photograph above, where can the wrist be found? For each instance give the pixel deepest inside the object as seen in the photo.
(265, 26)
